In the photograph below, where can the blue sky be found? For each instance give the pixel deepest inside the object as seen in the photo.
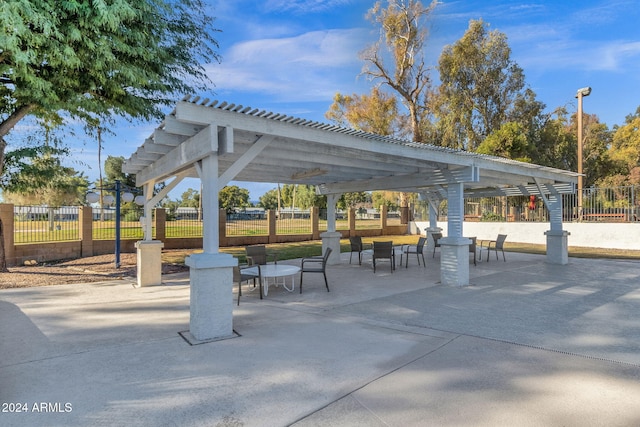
(292, 56)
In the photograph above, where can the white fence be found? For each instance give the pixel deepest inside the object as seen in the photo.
(590, 235)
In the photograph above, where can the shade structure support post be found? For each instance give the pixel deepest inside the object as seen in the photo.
(210, 272)
(149, 261)
(454, 249)
(557, 238)
(331, 238)
(149, 251)
(434, 204)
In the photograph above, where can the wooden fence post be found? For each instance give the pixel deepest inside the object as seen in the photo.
(315, 223)
(271, 219)
(86, 231)
(160, 218)
(352, 221)
(6, 214)
(383, 218)
(222, 228)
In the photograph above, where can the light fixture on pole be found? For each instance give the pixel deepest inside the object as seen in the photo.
(126, 197)
(581, 93)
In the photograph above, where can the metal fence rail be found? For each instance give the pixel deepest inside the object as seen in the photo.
(615, 204)
(247, 224)
(34, 224)
(293, 221)
(184, 223)
(104, 223)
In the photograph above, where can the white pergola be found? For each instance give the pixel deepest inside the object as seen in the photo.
(220, 142)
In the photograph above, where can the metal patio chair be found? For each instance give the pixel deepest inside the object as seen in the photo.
(239, 277)
(417, 249)
(315, 264)
(356, 246)
(436, 242)
(494, 245)
(383, 250)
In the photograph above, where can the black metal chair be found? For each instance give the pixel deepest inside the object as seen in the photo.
(315, 264)
(383, 250)
(472, 249)
(257, 255)
(418, 249)
(239, 277)
(356, 246)
(436, 242)
(494, 245)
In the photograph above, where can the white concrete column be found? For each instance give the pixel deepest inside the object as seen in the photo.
(455, 209)
(210, 212)
(332, 199)
(454, 249)
(211, 272)
(211, 299)
(149, 261)
(454, 261)
(331, 238)
(557, 246)
(557, 238)
(433, 214)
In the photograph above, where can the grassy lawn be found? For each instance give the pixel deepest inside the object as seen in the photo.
(304, 249)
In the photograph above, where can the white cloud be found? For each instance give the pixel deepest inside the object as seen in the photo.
(304, 67)
(303, 6)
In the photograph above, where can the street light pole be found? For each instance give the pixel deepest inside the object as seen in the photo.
(581, 93)
(120, 197)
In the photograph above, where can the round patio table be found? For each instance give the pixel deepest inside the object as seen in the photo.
(275, 271)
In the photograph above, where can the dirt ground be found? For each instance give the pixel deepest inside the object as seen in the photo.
(82, 270)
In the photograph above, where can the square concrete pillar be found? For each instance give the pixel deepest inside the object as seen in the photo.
(331, 239)
(149, 262)
(454, 261)
(211, 302)
(557, 246)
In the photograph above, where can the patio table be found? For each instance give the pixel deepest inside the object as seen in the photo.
(275, 271)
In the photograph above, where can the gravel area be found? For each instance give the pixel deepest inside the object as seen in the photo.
(82, 270)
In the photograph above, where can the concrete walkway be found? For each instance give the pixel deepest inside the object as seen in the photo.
(527, 344)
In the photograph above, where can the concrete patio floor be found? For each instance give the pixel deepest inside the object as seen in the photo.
(527, 344)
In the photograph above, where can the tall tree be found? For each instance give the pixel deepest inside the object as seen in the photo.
(625, 153)
(556, 144)
(269, 200)
(190, 198)
(232, 197)
(374, 113)
(37, 176)
(509, 141)
(86, 59)
(480, 85)
(113, 172)
(403, 35)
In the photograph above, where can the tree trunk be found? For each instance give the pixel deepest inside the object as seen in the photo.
(5, 127)
(3, 257)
